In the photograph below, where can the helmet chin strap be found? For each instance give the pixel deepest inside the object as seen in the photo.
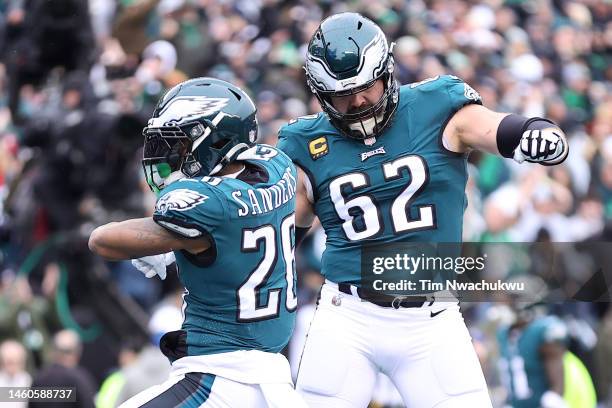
(228, 157)
(174, 176)
(367, 126)
(236, 174)
(157, 182)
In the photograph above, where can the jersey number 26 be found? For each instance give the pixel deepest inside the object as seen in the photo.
(250, 308)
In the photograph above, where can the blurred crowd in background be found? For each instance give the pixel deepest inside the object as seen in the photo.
(79, 79)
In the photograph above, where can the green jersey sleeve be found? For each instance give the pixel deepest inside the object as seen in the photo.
(447, 93)
(460, 93)
(286, 143)
(295, 139)
(554, 330)
(190, 208)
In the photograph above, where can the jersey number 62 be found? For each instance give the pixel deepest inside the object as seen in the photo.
(364, 206)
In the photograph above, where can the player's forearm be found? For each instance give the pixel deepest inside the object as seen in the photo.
(535, 140)
(304, 215)
(304, 212)
(131, 239)
(474, 127)
(552, 356)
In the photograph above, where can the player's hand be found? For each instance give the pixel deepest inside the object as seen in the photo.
(551, 399)
(154, 264)
(546, 146)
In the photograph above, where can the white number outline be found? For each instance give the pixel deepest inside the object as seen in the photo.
(288, 248)
(366, 204)
(400, 208)
(248, 293)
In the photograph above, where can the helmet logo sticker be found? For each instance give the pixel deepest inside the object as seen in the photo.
(179, 200)
(347, 82)
(183, 108)
(372, 61)
(318, 147)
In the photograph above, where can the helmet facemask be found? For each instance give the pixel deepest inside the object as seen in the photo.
(348, 54)
(370, 121)
(170, 153)
(167, 157)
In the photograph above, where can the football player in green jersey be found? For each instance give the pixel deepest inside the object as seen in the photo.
(535, 365)
(225, 209)
(384, 163)
(531, 362)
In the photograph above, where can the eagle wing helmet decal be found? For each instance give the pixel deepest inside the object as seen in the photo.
(184, 108)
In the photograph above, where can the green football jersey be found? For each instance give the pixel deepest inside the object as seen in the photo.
(240, 294)
(521, 366)
(403, 186)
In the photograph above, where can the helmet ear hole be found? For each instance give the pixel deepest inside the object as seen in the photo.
(220, 144)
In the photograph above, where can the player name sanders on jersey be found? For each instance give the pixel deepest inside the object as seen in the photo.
(266, 199)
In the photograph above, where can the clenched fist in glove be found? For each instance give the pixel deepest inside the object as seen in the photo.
(535, 140)
(546, 146)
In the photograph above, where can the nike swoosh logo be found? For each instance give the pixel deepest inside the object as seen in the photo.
(436, 313)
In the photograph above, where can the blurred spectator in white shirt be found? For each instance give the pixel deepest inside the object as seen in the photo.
(13, 368)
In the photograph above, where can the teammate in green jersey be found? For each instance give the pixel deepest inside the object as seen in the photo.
(535, 365)
(384, 163)
(225, 209)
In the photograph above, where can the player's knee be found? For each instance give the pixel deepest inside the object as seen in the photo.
(324, 374)
(334, 375)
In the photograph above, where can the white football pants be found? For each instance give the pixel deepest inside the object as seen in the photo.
(428, 356)
(193, 390)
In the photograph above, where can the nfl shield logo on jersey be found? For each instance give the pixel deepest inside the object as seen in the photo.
(369, 141)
